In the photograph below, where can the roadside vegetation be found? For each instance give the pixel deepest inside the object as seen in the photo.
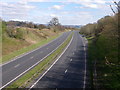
(21, 37)
(103, 52)
(27, 78)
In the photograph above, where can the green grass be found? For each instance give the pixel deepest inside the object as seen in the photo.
(91, 59)
(90, 38)
(10, 56)
(37, 70)
(108, 75)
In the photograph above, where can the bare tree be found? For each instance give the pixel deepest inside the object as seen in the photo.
(54, 24)
(117, 5)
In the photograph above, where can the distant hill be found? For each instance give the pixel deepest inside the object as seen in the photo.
(73, 26)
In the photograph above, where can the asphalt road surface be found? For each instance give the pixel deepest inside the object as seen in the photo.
(13, 70)
(69, 70)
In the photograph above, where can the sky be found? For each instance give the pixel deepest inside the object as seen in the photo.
(69, 12)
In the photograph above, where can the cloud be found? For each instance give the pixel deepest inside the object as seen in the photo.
(91, 5)
(25, 10)
(17, 20)
(53, 15)
(58, 7)
(88, 3)
(84, 3)
(78, 18)
(16, 10)
(37, 0)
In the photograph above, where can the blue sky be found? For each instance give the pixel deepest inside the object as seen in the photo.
(69, 12)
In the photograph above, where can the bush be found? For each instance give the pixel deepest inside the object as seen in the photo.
(19, 34)
(104, 50)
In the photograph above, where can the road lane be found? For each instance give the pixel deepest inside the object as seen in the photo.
(68, 72)
(16, 67)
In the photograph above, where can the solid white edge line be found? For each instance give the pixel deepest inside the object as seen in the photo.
(32, 66)
(84, 84)
(52, 64)
(24, 54)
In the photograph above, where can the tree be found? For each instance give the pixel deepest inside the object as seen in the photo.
(118, 7)
(30, 25)
(41, 26)
(54, 24)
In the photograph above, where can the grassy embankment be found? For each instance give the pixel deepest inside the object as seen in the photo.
(103, 52)
(25, 80)
(8, 57)
(102, 58)
(16, 41)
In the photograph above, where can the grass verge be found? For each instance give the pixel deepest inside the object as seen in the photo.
(102, 61)
(25, 80)
(25, 50)
(91, 55)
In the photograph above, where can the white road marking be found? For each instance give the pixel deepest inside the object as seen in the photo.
(31, 57)
(71, 60)
(41, 52)
(17, 65)
(84, 44)
(31, 66)
(66, 71)
(52, 64)
(73, 53)
(47, 48)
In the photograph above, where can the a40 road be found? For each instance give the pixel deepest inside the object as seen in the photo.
(68, 72)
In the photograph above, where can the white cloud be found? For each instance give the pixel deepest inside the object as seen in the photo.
(37, 0)
(84, 3)
(89, 3)
(53, 15)
(58, 7)
(66, 18)
(17, 20)
(77, 18)
(20, 11)
(15, 10)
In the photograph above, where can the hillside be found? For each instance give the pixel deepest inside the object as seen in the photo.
(103, 51)
(15, 38)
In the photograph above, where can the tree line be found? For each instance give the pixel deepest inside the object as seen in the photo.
(52, 24)
(103, 50)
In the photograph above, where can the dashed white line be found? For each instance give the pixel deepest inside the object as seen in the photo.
(17, 65)
(66, 71)
(47, 48)
(31, 57)
(73, 53)
(71, 60)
